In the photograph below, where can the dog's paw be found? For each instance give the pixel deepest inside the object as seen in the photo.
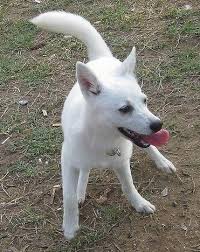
(144, 206)
(165, 165)
(70, 233)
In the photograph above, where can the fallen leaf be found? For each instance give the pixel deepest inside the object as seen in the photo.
(55, 188)
(164, 193)
(44, 112)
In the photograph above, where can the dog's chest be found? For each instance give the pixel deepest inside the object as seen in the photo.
(104, 154)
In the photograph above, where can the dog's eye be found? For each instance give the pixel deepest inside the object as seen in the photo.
(145, 100)
(126, 109)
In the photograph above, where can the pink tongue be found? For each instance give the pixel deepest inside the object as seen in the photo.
(159, 138)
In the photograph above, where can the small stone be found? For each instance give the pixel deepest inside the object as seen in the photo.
(129, 236)
(187, 7)
(44, 112)
(23, 102)
(183, 226)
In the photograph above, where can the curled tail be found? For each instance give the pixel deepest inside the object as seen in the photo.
(67, 23)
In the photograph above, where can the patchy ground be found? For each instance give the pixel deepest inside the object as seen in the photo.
(39, 67)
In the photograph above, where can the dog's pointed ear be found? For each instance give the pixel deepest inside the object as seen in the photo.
(128, 65)
(87, 79)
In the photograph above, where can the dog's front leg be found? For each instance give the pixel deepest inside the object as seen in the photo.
(70, 202)
(161, 162)
(137, 201)
(82, 184)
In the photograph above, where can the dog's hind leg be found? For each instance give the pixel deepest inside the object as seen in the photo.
(70, 181)
(161, 162)
(82, 184)
(137, 201)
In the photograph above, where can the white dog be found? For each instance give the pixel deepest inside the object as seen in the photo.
(104, 113)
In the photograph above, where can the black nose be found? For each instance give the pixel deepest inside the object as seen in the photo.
(156, 125)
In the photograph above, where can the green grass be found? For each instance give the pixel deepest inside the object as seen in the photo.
(177, 69)
(26, 71)
(183, 22)
(86, 239)
(42, 142)
(29, 216)
(27, 169)
(186, 28)
(16, 40)
(52, 5)
(17, 36)
(118, 17)
(111, 213)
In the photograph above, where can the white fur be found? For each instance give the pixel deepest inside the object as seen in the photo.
(91, 117)
(77, 26)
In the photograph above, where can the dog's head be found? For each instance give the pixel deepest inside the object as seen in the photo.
(119, 101)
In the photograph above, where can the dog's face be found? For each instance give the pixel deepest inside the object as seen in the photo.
(119, 102)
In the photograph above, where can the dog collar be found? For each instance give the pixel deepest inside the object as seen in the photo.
(113, 152)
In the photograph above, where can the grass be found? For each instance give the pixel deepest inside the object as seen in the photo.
(19, 36)
(39, 142)
(183, 22)
(27, 72)
(118, 16)
(29, 216)
(87, 239)
(27, 169)
(177, 68)
(111, 213)
(42, 141)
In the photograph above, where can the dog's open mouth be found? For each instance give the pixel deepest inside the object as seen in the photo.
(157, 139)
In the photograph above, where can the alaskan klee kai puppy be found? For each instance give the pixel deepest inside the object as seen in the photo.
(104, 115)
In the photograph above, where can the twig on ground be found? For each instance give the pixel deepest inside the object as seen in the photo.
(4, 176)
(117, 247)
(150, 182)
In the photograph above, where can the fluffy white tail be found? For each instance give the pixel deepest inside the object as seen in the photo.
(67, 23)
